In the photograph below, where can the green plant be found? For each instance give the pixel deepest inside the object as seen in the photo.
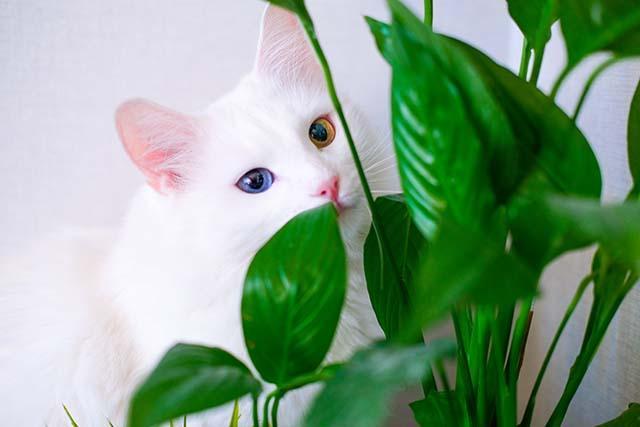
(487, 161)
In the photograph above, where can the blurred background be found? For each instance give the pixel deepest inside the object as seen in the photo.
(65, 66)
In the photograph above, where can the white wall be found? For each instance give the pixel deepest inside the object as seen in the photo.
(65, 66)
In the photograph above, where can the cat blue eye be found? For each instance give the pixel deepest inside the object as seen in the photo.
(255, 181)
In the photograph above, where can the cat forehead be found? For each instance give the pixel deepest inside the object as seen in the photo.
(258, 112)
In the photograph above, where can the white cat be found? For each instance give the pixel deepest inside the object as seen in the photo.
(87, 314)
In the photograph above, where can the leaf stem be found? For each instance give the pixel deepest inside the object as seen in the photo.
(537, 65)
(256, 420)
(525, 59)
(307, 24)
(265, 410)
(528, 413)
(594, 76)
(274, 410)
(428, 13)
(561, 78)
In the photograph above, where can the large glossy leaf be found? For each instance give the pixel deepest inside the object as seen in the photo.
(633, 143)
(534, 17)
(390, 302)
(454, 130)
(472, 267)
(188, 379)
(629, 418)
(595, 25)
(293, 295)
(359, 395)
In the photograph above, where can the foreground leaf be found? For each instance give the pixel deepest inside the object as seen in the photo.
(359, 395)
(469, 267)
(293, 295)
(590, 26)
(629, 418)
(390, 303)
(188, 379)
(633, 143)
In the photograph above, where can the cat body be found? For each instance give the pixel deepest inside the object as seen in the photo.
(86, 315)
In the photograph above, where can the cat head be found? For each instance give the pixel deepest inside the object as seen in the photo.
(268, 150)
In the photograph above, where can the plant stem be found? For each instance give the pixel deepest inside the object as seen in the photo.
(528, 413)
(265, 410)
(525, 59)
(561, 78)
(594, 75)
(256, 420)
(428, 13)
(463, 380)
(589, 349)
(537, 65)
(274, 410)
(383, 242)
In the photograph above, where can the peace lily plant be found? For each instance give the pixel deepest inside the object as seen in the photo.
(498, 182)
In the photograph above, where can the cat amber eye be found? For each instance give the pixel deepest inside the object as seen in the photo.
(321, 132)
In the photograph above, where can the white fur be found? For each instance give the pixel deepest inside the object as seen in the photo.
(84, 316)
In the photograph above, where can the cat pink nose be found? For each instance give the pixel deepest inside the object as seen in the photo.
(331, 190)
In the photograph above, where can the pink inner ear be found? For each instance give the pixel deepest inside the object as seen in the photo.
(284, 53)
(158, 140)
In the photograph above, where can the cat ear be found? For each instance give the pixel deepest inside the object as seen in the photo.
(159, 141)
(284, 53)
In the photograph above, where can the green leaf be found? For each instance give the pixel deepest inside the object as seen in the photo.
(534, 17)
(629, 418)
(407, 245)
(190, 378)
(438, 409)
(454, 130)
(577, 223)
(293, 295)
(360, 393)
(590, 26)
(633, 143)
(441, 159)
(462, 264)
(382, 36)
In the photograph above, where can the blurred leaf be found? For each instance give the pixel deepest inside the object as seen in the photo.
(633, 144)
(360, 393)
(188, 379)
(590, 26)
(293, 295)
(629, 418)
(577, 223)
(615, 227)
(454, 130)
(438, 409)
(462, 266)
(407, 245)
(235, 416)
(534, 18)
